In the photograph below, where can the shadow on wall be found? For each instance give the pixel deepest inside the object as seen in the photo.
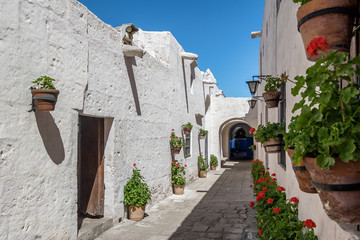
(129, 62)
(50, 136)
(185, 86)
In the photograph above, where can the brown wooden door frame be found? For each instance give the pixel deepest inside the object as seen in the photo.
(91, 166)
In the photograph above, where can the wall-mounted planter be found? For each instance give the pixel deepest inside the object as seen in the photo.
(271, 99)
(329, 19)
(338, 189)
(187, 130)
(44, 99)
(302, 175)
(201, 136)
(176, 150)
(273, 146)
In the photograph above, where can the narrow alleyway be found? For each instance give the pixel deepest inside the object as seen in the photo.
(213, 208)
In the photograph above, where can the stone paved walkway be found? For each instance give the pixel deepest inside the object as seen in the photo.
(213, 208)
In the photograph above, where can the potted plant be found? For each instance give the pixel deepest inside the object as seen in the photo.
(271, 136)
(301, 173)
(178, 177)
(176, 143)
(253, 132)
(329, 124)
(330, 19)
(272, 93)
(187, 128)
(202, 166)
(213, 162)
(136, 195)
(202, 133)
(44, 94)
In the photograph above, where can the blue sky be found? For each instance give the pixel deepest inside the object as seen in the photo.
(218, 31)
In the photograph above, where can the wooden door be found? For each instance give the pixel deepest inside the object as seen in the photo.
(91, 166)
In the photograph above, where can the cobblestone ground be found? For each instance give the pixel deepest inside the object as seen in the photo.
(213, 208)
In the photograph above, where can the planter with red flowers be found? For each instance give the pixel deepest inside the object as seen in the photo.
(187, 128)
(271, 136)
(176, 143)
(178, 177)
(328, 125)
(329, 19)
(44, 95)
(202, 133)
(272, 93)
(253, 132)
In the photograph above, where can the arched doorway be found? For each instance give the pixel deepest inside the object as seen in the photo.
(240, 142)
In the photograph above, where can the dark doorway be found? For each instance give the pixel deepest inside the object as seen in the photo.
(91, 167)
(240, 142)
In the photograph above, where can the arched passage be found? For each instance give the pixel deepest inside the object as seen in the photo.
(232, 133)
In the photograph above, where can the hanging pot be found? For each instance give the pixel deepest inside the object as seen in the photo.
(187, 130)
(330, 19)
(256, 139)
(201, 136)
(272, 145)
(44, 99)
(271, 99)
(176, 150)
(338, 189)
(302, 175)
(136, 213)
(178, 189)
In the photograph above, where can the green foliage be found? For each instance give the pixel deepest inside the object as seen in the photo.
(292, 133)
(203, 132)
(273, 84)
(329, 122)
(271, 130)
(44, 82)
(187, 125)
(277, 218)
(301, 1)
(136, 191)
(202, 163)
(213, 160)
(175, 141)
(177, 173)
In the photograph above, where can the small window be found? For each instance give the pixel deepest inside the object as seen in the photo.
(187, 145)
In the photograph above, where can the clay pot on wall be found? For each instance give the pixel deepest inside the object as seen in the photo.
(329, 19)
(273, 146)
(213, 167)
(302, 175)
(271, 99)
(256, 139)
(136, 213)
(187, 130)
(176, 150)
(201, 136)
(178, 189)
(202, 174)
(338, 189)
(44, 99)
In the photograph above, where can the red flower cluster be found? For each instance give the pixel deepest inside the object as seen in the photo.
(270, 201)
(185, 165)
(260, 196)
(172, 162)
(309, 223)
(315, 45)
(252, 204)
(134, 164)
(294, 200)
(171, 136)
(260, 232)
(281, 189)
(252, 130)
(177, 165)
(276, 210)
(273, 175)
(172, 129)
(251, 186)
(265, 189)
(274, 179)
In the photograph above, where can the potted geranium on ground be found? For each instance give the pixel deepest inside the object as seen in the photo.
(136, 195)
(329, 125)
(176, 143)
(44, 94)
(271, 136)
(178, 177)
(202, 166)
(272, 93)
(187, 128)
(202, 133)
(213, 162)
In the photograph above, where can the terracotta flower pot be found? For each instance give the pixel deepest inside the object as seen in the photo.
(201, 136)
(136, 213)
(202, 174)
(273, 146)
(187, 130)
(271, 99)
(176, 150)
(178, 189)
(330, 19)
(338, 189)
(44, 99)
(213, 167)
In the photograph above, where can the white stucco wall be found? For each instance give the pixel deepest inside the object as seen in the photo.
(141, 99)
(282, 50)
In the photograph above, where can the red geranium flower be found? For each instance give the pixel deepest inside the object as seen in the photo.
(270, 183)
(309, 223)
(134, 164)
(260, 196)
(261, 173)
(315, 45)
(274, 179)
(177, 137)
(252, 204)
(171, 136)
(260, 232)
(280, 189)
(270, 201)
(265, 189)
(185, 165)
(276, 210)
(251, 186)
(177, 165)
(172, 129)
(267, 168)
(172, 162)
(273, 175)
(252, 130)
(294, 200)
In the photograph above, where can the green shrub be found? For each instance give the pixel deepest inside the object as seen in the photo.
(136, 191)
(202, 163)
(44, 82)
(213, 160)
(177, 173)
(271, 130)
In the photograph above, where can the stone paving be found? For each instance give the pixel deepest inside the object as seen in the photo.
(216, 207)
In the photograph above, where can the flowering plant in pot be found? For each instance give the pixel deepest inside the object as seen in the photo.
(187, 128)
(44, 94)
(178, 177)
(330, 19)
(202, 133)
(253, 132)
(203, 166)
(271, 136)
(272, 93)
(329, 126)
(136, 195)
(176, 143)
(213, 162)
